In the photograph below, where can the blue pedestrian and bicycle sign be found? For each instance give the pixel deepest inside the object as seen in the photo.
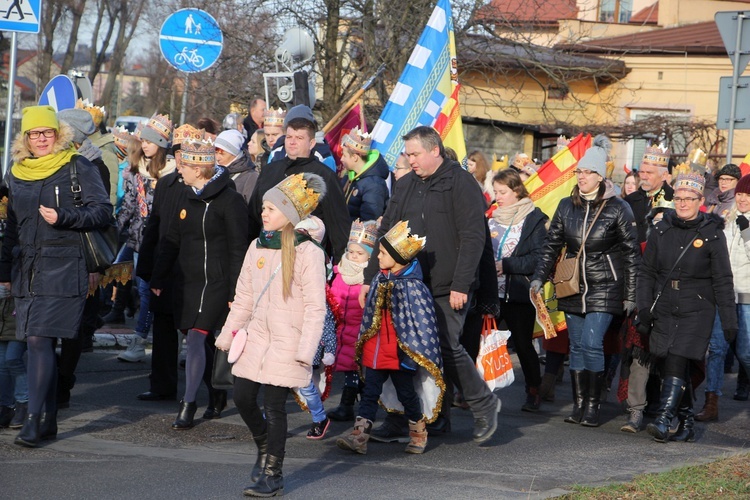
(20, 15)
(190, 40)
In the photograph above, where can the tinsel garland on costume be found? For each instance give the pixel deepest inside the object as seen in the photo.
(384, 292)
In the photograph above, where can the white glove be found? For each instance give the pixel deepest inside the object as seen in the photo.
(328, 359)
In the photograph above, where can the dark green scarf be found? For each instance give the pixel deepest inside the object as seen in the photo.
(272, 239)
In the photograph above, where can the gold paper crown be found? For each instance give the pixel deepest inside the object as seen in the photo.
(162, 125)
(187, 132)
(97, 112)
(698, 157)
(357, 141)
(521, 160)
(661, 202)
(692, 182)
(304, 199)
(364, 233)
(656, 156)
(200, 153)
(274, 118)
(407, 245)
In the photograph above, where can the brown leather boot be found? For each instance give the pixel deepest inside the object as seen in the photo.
(356, 441)
(417, 437)
(710, 411)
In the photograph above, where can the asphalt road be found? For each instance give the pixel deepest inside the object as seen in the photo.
(113, 446)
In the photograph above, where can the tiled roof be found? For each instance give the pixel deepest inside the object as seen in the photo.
(528, 11)
(649, 15)
(698, 38)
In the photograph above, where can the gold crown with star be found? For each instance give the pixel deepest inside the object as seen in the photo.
(274, 117)
(358, 141)
(97, 112)
(198, 153)
(364, 233)
(656, 156)
(403, 242)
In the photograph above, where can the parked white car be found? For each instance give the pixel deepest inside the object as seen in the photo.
(130, 122)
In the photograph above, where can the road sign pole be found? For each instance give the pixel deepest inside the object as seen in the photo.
(184, 99)
(735, 78)
(9, 108)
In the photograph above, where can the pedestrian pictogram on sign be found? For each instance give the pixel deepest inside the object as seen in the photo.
(191, 40)
(20, 15)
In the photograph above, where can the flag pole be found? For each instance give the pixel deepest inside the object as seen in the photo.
(354, 99)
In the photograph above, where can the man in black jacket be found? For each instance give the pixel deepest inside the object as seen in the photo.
(654, 185)
(299, 141)
(443, 202)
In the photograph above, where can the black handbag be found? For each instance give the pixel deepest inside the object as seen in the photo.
(100, 245)
(221, 375)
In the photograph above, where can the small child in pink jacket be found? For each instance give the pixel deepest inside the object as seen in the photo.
(345, 290)
(278, 309)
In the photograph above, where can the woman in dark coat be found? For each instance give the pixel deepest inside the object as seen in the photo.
(684, 313)
(607, 269)
(43, 253)
(518, 230)
(208, 243)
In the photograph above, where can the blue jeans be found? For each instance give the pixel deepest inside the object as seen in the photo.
(718, 346)
(314, 404)
(586, 334)
(145, 317)
(13, 382)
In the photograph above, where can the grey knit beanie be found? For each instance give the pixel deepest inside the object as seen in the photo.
(80, 121)
(299, 111)
(595, 158)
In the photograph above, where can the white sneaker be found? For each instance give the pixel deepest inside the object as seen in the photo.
(135, 352)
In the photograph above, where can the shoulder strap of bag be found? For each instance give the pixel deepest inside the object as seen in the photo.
(669, 274)
(75, 186)
(268, 283)
(586, 236)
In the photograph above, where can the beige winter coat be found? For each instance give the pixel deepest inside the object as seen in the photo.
(283, 336)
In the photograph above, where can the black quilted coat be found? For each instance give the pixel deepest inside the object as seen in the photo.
(610, 258)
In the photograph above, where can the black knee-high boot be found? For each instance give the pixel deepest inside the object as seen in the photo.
(686, 416)
(580, 385)
(672, 389)
(591, 414)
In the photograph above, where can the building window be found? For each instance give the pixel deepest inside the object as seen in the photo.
(615, 11)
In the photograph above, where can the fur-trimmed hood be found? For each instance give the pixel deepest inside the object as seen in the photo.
(20, 152)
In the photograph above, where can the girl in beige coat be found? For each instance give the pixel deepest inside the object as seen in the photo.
(280, 303)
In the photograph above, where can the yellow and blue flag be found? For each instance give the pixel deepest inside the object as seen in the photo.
(426, 92)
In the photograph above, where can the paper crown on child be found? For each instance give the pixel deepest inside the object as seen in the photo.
(656, 156)
(186, 133)
(274, 117)
(401, 244)
(198, 153)
(121, 138)
(520, 161)
(297, 196)
(97, 112)
(364, 234)
(693, 181)
(158, 130)
(358, 141)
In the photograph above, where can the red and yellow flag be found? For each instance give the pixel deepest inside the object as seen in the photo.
(745, 165)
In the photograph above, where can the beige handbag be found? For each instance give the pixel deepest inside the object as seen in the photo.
(567, 272)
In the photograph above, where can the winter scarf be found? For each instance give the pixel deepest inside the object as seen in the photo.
(89, 151)
(36, 169)
(352, 273)
(507, 216)
(272, 239)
